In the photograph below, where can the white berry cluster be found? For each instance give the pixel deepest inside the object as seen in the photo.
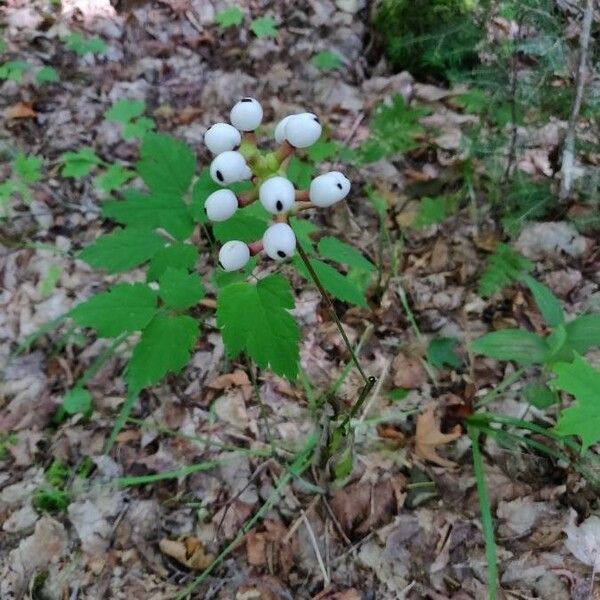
(236, 159)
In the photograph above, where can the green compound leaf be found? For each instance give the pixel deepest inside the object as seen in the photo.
(255, 319)
(303, 230)
(47, 75)
(230, 17)
(334, 249)
(138, 128)
(124, 111)
(124, 307)
(177, 255)
(431, 211)
(180, 289)
(248, 224)
(80, 163)
(504, 266)
(113, 178)
(523, 347)
(581, 380)
(141, 210)
(77, 400)
(164, 347)
(338, 285)
(81, 46)
(13, 70)
(167, 165)
(326, 60)
(264, 27)
(28, 168)
(322, 150)
(123, 249)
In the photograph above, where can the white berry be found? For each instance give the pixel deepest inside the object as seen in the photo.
(280, 129)
(229, 167)
(277, 195)
(222, 137)
(246, 115)
(279, 241)
(221, 205)
(329, 188)
(303, 130)
(234, 255)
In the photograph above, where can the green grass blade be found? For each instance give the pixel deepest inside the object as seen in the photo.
(486, 515)
(120, 420)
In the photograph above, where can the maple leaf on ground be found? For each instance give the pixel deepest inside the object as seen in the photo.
(428, 437)
(582, 419)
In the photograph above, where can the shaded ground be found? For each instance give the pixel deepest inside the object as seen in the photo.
(381, 536)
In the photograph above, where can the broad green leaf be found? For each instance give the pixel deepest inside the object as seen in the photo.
(583, 333)
(13, 70)
(123, 249)
(581, 380)
(47, 75)
(518, 345)
(164, 347)
(28, 168)
(77, 400)
(327, 60)
(322, 150)
(503, 267)
(122, 308)
(431, 211)
(539, 395)
(303, 229)
(113, 178)
(334, 249)
(80, 163)
(546, 301)
(139, 210)
(441, 352)
(300, 173)
(264, 27)
(124, 111)
(138, 128)
(180, 289)
(229, 17)
(177, 255)
(338, 285)
(202, 189)
(166, 165)
(255, 319)
(242, 226)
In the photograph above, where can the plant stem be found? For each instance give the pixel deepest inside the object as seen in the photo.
(338, 323)
(568, 157)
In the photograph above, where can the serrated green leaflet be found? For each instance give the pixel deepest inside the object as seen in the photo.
(229, 17)
(338, 285)
(264, 27)
(503, 267)
(180, 289)
(255, 319)
(123, 111)
(244, 225)
(334, 249)
(164, 347)
(123, 308)
(326, 60)
(203, 188)
(517, 345)
(47, 75)
(28, 167)
(303, 229)
(300, 173)
(122, 249)
(113, 178)
(157, 210)
(177, 255)
(167, 165)
(581, 380)
(77, 400)
(80, 163)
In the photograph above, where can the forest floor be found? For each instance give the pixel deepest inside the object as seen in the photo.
(407, 523)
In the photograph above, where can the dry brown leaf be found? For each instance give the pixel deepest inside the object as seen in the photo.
(236, 379)
(20, 110)
(428, 437)
(189, 551)
(270, 544)
(408, 372)
(331, 594)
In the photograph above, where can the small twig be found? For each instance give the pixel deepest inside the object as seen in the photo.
(315, 545)
(284, 151)
(568, 157)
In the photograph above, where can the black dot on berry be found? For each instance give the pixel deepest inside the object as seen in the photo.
(340, 186)
(205, 211)
(246, 100)
(278, 205)
(281, 253)
(219, 176)
(316, 119)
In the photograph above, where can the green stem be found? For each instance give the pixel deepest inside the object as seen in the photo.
(327, 299)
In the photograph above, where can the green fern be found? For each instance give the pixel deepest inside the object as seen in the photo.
(503, 267)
